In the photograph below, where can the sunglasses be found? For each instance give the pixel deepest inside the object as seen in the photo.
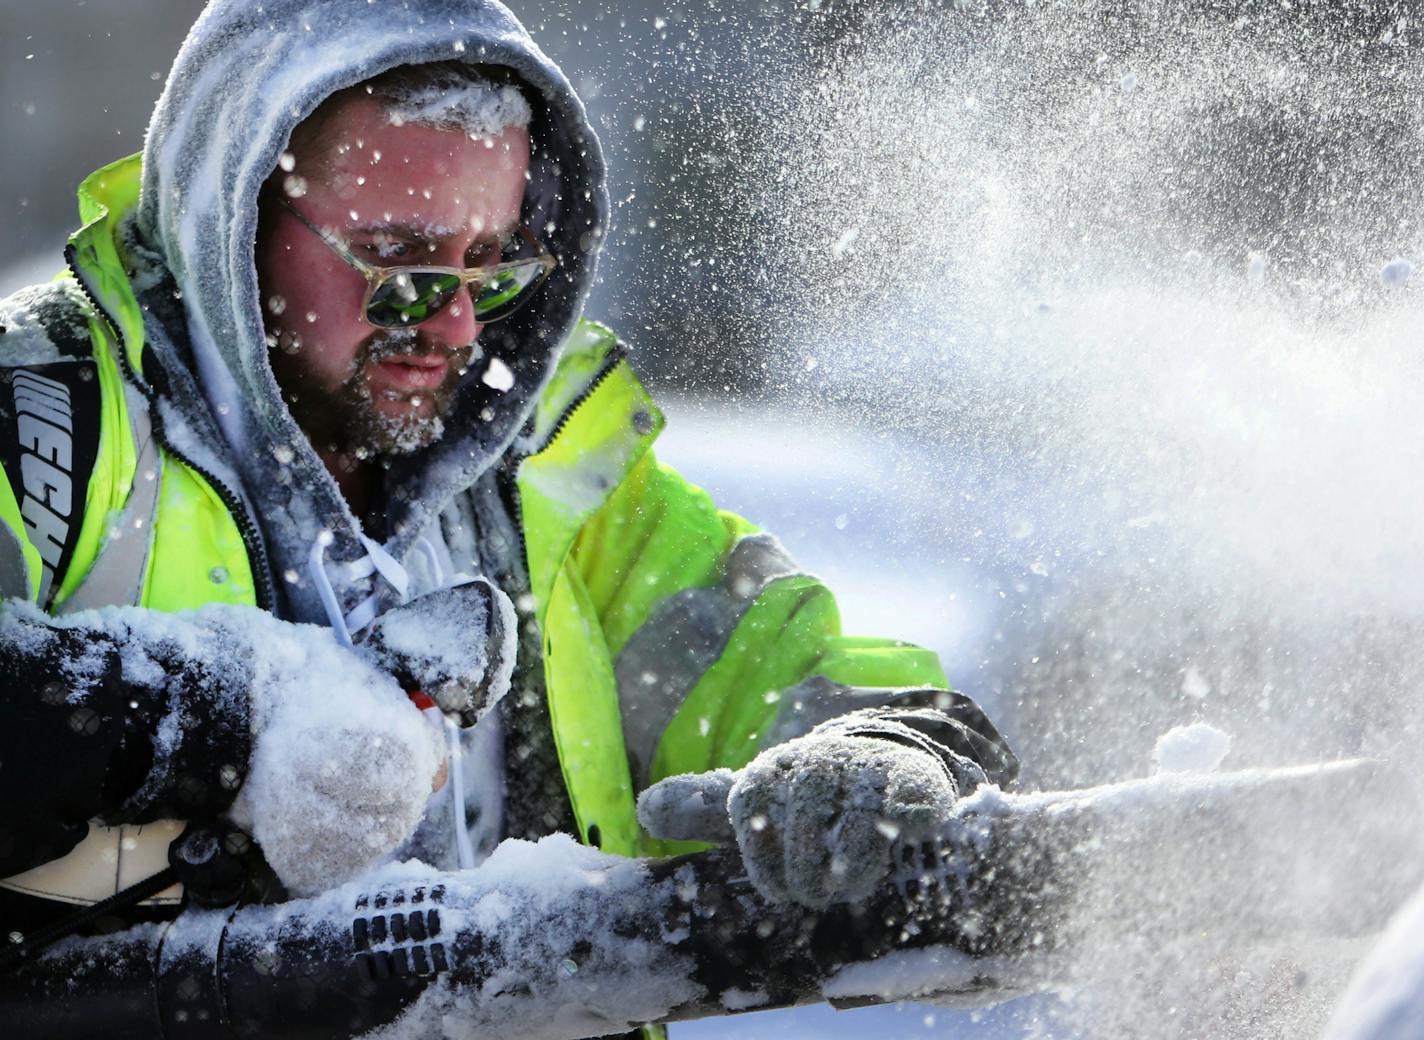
(403, 297)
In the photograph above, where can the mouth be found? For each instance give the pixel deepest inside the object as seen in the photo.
(411, 372)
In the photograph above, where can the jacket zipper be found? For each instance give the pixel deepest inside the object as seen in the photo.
(615, 357)
(237, 509)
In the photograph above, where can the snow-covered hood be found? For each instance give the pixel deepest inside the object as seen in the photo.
(247, 74)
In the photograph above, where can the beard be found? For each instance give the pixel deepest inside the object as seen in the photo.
(348, 419)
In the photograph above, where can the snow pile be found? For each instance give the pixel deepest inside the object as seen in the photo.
(1197, 748)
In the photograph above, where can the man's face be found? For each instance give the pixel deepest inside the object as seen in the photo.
(396, 195)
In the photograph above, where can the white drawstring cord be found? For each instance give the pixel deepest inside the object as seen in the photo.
(379, 561)
(316, 567)
(432, 560)
(463, 848)
(376, 560)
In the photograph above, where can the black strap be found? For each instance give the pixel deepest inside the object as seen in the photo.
(30, 946)
(213, 861)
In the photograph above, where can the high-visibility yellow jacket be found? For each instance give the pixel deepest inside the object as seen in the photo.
(675, 637)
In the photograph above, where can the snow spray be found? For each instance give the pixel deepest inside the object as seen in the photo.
(1143, 278)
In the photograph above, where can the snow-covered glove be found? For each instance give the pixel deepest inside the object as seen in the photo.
(123, 715)
(455, 645)
(815, 818)
(342, 762)
(131, 715)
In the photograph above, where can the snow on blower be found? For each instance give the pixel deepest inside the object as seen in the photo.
(554, 941)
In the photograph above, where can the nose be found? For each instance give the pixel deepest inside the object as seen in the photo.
(455, 326)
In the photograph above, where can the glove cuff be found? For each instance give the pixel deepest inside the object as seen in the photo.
(889, 725)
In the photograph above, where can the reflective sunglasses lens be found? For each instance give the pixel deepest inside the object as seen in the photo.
(410, 298)
(508, 290)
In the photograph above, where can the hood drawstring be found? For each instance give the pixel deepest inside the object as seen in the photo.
(432, 560)
(378, 561)
(458, 821)
(464, 849)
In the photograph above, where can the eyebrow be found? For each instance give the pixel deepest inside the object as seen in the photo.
(420, 234)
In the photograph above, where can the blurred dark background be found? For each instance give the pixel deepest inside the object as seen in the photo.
(664, 85)
(690, 101)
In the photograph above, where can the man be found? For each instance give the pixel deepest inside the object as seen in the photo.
(313, 437)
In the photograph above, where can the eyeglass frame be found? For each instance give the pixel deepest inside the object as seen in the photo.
(376, 276)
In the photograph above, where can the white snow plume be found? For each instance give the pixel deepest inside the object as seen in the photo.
(1126, 258)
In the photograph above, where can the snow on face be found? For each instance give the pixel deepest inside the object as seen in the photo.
(455, 102)
(395, 195)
